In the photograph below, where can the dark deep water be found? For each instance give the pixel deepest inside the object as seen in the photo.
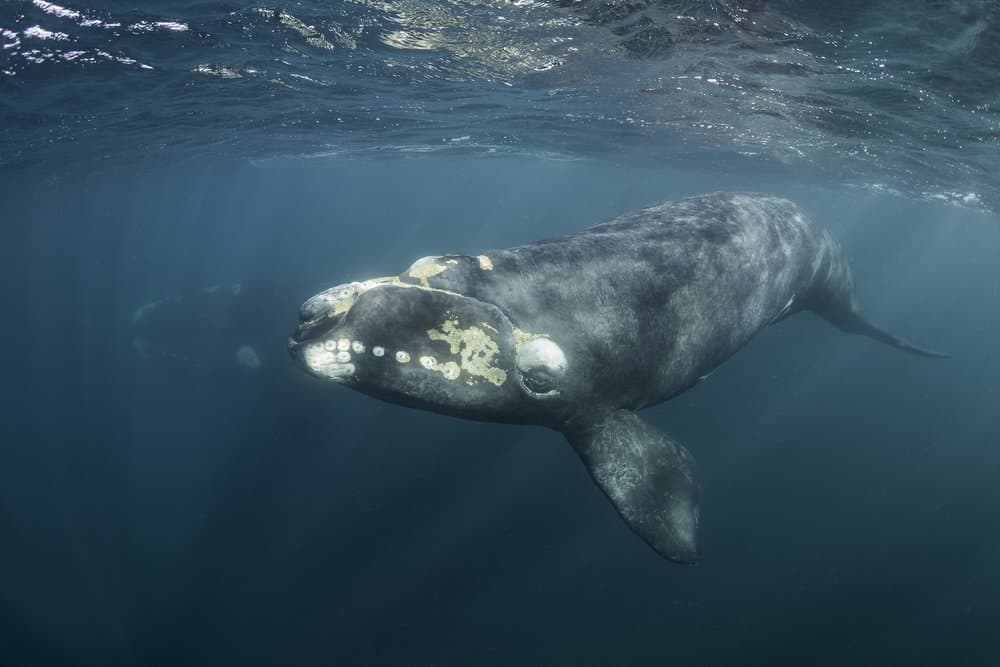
(161, 504)
(158, 513)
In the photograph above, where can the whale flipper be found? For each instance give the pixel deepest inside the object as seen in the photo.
(651, 479)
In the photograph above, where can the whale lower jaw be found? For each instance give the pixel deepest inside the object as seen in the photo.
(325, 364)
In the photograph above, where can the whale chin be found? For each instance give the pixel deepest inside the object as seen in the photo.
(319, 360)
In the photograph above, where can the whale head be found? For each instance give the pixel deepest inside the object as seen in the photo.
(400, 340)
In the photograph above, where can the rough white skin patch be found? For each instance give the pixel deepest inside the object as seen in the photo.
(403, 357)
(378, 351)
(343, 356)
(425, 267)
(428, 263)
(339, 299)
(325, 364)
(358, 346)
(343, 345)
(477, 350)
(485, 263)
(330, 345)
(449, 369)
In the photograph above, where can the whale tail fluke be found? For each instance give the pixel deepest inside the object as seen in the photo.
(851, 321)
(651, 480)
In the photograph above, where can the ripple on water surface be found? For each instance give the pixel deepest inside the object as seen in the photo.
(905, 104)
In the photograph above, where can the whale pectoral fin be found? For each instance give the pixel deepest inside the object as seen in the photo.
(649, 477)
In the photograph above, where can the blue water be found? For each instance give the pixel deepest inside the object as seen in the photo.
(166, 510)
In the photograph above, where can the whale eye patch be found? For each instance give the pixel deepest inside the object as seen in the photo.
(540, 364)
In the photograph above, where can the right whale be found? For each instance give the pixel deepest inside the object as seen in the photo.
(579, 332)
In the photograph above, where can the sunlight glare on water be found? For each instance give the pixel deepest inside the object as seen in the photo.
(903, 105)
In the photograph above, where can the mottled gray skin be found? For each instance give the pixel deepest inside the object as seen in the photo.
(642, 307)
(653, 300)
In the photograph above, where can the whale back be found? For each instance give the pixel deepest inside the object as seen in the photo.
(648, 302)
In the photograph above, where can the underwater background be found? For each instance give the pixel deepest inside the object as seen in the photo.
(176, 179)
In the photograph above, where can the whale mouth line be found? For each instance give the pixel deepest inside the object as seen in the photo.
(315, 329)
(340, 373)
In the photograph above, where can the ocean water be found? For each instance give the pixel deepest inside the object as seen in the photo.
(176, 179)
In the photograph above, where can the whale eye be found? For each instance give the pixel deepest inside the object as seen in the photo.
(540, 364)
(538, 381)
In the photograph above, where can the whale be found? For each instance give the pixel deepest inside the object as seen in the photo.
(580, 332)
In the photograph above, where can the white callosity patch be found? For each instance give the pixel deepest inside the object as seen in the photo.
(327, 364)
(343, 356)
(333, 301)
(477, 350)
(428, 263)
(425, 267)
(378, 351)
(402, 356)
(357, 346)
(339, 299)
(343, 344)
(449, 369)
(485, 263)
